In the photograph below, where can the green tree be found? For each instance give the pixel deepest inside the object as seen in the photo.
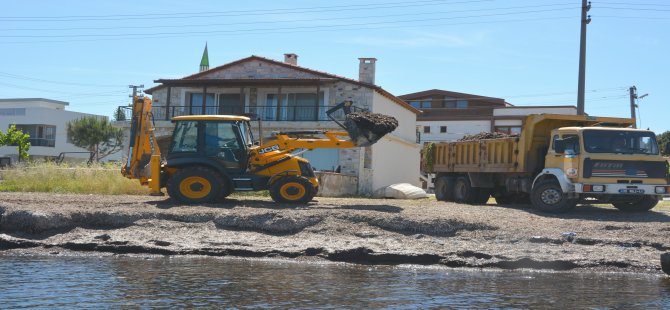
(95, 134)
(663, 140)
(18, 138)
(119, 114)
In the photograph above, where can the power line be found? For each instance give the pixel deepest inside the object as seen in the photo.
(290, 21)
(23, 77)
(255, 12)
(282, 28)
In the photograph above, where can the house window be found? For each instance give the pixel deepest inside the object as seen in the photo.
(426, 129)
(231, 104)
(195, 104)
(514, 130)
(449, 102)
(40, 135)
(13, 112)
(293, 107)
(422, 104)
(443, 129)
(461, 104)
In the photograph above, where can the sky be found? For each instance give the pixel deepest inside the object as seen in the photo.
(87, 53)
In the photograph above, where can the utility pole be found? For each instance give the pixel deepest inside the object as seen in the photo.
(135, 87)
(582, 58)
(633, 95)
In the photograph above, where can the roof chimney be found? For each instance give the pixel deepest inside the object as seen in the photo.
(291, 59)
(366, 70)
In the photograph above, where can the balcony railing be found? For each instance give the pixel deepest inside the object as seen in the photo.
(42, 142)
(263, 112)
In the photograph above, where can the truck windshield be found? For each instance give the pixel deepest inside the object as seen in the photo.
(623, 142)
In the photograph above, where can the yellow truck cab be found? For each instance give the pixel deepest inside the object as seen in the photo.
(556, 162)
(622, 166)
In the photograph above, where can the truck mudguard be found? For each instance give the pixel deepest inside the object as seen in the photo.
(566, 185)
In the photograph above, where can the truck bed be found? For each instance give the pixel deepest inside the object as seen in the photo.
(494, 155)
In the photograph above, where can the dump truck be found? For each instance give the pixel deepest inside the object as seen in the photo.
(212, 156)
(556, 162)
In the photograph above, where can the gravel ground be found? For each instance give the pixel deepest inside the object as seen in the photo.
(365, 231)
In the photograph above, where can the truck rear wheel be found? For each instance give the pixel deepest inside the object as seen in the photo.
(444, 188)
(292, 189)
(548, 196)
(195, 185)
(463, 191)
(645, 203)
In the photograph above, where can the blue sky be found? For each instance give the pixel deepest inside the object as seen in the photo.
(88, 52)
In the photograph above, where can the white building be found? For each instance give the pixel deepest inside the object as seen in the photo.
(45, 120)
(448, 116)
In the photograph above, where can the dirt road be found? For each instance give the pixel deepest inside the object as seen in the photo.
(368, 231)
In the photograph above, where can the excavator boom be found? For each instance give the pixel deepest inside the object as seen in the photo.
(142, 149)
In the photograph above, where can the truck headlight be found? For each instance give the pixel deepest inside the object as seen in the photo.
(661, 190)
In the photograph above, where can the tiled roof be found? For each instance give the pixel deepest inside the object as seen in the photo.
(299, 68)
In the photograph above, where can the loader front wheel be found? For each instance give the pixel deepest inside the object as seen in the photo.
(292, 189)
(195, 185)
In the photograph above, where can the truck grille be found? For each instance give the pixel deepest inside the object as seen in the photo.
(623, 169)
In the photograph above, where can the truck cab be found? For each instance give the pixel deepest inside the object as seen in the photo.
(621, 166)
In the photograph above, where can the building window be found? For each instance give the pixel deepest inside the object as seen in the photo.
(461, 104)
(422, 104)
(13, 112)
(195, 104)
(40, 135)
(513, 130)
(294, 107)
(443, 129)
(426, 129)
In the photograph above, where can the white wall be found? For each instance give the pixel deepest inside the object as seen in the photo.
(395, 158)
(47, 116)
(511, 111)
(455, 129)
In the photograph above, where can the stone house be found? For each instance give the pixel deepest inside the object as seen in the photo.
(285, 96)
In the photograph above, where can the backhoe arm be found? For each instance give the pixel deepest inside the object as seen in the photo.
(142, 148)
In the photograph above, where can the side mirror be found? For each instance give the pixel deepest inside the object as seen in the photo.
(559, 146)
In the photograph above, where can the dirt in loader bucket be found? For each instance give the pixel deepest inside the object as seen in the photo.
(366, 128)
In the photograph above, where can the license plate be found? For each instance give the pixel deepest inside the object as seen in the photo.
(631, 191)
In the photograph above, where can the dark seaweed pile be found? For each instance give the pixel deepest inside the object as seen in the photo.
(366, 128)
(486, 135)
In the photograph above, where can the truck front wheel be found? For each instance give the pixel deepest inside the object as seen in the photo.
(548, 196)
(645, 203)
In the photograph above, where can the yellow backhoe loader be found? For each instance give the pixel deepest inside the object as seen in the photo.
(211, 156)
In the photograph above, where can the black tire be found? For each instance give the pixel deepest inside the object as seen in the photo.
(194, 185)
(463, 191)
(547, 196)
(292, 189)
(444, 188)
(645, 203)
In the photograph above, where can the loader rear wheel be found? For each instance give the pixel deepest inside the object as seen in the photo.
(444, 188)
(292, 189)
(195, 185)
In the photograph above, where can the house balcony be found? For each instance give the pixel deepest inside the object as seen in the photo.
(291, 113)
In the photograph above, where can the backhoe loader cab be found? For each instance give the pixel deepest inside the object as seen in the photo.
(211, 156)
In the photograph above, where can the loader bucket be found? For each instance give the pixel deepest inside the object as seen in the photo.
(366, 128)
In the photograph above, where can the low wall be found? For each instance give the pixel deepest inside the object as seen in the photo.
(336, 185)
